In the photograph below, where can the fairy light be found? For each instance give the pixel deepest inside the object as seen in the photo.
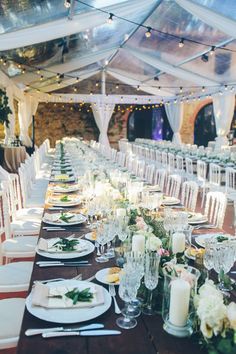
(38, 71)
(110, 18)
(212, 51)
(148, 32)
(117, 86)
(203, 88)
(181, 43)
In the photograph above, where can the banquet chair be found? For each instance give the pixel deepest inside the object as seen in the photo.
(230, 183)
(158, 158)
(164, 159)
(18, 243)
(140, 169)
(12, 311)
(202, 178)
(173, 186)
(215, 208)
(160, 176)
(189, 195)
(171, 163)
(189, 169)
(149, 173)
(180, 166)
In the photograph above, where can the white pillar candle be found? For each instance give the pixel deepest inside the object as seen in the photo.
(179, 302)
(178, 242)
(120, 212)
(138, 243)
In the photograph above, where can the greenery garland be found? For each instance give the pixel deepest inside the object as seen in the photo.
(4, 108)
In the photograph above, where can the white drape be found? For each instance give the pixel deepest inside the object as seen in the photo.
(102, 113)
(27, 109)
(64, 27)
(10, 130)
(210, 17)
(223, 111)
(170, 69)
(175, 117)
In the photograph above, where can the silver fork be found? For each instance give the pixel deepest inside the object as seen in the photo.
(98, 250)
(112, 292)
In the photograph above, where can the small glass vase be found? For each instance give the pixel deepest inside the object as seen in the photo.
(180, 285)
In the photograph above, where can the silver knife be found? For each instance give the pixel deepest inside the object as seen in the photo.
(67, 264)
(99, 332)
(35, 331)
(59, 262)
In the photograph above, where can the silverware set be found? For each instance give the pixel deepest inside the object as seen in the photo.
(43, 264)
(112, 292)
(94, 329)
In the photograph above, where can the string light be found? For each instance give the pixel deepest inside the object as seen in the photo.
(226, 87)
(181, 43)
(138, 88)
(148, 32)
(203, 88)
(5, 63)
(23, 71)
(58, 76)
(41, 78)
(212, 51)
(75, 89)
(110, 18)
(204, 58)
(38, 71)
(117, 86)
(67, 4)
(91, 93)
(77, 79)
(181, 89)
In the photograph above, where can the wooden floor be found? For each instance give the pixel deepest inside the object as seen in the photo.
(227, 227)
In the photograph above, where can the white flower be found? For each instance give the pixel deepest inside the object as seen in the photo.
(231, 313)
(153, 243)
(212, 313)
(209, 288)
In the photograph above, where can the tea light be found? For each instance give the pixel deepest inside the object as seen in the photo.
(179, 302)
(178, 242)
(138, 243)
(120, 212)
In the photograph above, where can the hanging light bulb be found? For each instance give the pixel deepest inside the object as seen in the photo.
(110, 18)
(226, 87)
(77, 79)
(212, 51)
(181, 43)
(138, 88)
(23, 71)
(106, 62)
(75, 89)
(97, 84)
(148, 32)
(117, 86)
(181, 89)
(59, 83)
(91, 93)
(203, 88)
(41, 78)
(159, 88)
(67, 4)
(38, 71)
(58, 76)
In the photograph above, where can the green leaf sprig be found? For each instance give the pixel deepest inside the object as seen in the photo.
(64, 199)
(66, 245)
(64, 217)
(77, 296)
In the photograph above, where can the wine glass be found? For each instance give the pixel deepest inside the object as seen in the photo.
(127, 292)
(151, 274)
(102, 238)
(208, 259)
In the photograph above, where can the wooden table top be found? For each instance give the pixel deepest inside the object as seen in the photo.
(147, 338)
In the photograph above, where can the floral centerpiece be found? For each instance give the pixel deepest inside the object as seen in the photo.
(4, 108)
(215, 320)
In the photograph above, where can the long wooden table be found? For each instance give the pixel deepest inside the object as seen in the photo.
(147, 338)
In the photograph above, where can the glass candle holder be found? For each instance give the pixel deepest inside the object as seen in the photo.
(180, 284)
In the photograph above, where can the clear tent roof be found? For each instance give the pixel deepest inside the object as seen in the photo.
(99, 46)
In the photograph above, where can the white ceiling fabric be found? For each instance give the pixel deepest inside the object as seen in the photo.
(65, 27)
(212, 18)
(171, 69)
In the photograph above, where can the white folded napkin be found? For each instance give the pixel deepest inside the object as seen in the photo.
(41, 296)
(56, 218)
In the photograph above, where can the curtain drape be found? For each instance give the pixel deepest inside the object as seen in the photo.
(210, 17)
(27, 109)
(102, 113)
(62, 27)
(223, 111)
(10, 130)
(175, 117)
(171, 69)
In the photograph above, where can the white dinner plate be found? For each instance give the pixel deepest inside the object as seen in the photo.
(70, 315)
(101, 277)
(71, 202)
(196, 218)
(200, 240)
(170, 201)
(68, 255)
(58, 189)
(77, 219)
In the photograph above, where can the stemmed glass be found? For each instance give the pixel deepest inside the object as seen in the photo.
(102, 238)
(223, 260)
(209, 255)
(127, 291)
(151, 274)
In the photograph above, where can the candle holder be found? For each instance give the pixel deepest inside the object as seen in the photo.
(180, 284)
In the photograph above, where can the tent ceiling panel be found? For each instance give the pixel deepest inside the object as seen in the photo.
(171, 18)
(226, 8)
